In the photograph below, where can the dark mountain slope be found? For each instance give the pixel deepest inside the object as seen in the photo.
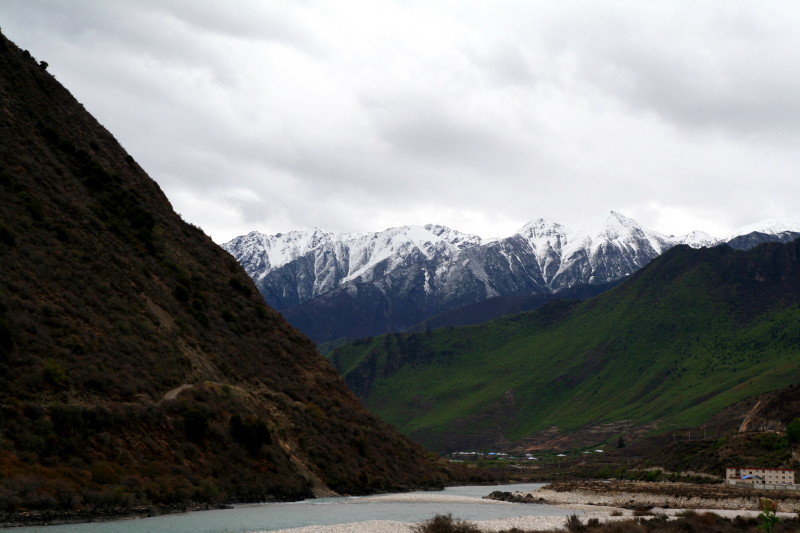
(138, 363)
(365, 309)
(691, 333)
(745, 242)
(489, 309)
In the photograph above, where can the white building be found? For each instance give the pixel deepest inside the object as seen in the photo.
(759, 476)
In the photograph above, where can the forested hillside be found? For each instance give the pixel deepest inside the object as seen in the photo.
(691, 333)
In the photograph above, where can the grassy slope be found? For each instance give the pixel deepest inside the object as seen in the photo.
(687, 336)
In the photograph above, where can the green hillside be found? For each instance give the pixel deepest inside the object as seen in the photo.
(695, 331)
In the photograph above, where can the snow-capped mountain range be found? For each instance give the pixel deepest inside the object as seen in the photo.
(334, 285)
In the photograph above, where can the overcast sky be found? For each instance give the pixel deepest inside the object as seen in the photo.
(478, 115)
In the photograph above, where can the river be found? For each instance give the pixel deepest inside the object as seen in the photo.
(463, 502)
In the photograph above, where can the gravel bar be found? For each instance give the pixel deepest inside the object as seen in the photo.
(587, 505)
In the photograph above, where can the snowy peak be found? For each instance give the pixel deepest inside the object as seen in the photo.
(617, 224)
(605, 251)
(454, 237)
(393, 246)
(541, 229)
(290, 268)
(615, 229)
(264, 253)
(624, 231)
(770, 226)
(543, 236)
(772, 230)
(698, 239)
(362, 284)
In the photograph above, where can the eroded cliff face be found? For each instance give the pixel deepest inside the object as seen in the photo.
(772, 411)
(139, 365)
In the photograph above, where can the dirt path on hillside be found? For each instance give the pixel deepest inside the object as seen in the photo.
(171, 395)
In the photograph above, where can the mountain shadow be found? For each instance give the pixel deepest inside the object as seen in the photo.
(499, 306)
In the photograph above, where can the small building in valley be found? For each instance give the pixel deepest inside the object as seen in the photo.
(759, 476)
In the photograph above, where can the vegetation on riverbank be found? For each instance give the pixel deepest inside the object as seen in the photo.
(687, 522)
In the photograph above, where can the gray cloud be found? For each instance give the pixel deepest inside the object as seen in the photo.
(355, 116)
(723, 67)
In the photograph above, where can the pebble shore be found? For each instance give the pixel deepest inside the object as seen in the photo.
(530, 523)
(586, 506)
(522, 522)
(534, 523)
(629, 499)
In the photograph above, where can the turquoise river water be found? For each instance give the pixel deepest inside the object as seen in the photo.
(322, 511)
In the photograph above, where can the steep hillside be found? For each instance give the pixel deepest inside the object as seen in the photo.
(138, 362)
(693, 332)
(750, 432)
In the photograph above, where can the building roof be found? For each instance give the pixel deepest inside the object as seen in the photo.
(760, 468)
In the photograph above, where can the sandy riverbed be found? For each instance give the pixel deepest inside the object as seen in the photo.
(534, 523)
(531, 523)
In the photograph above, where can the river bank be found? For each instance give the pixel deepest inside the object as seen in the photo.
(533, 522)
(524, 523)
(603, 501)
(85, 516)
(398, 513)
(634, 494)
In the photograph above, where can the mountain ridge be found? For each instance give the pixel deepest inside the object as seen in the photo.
(403, 276)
